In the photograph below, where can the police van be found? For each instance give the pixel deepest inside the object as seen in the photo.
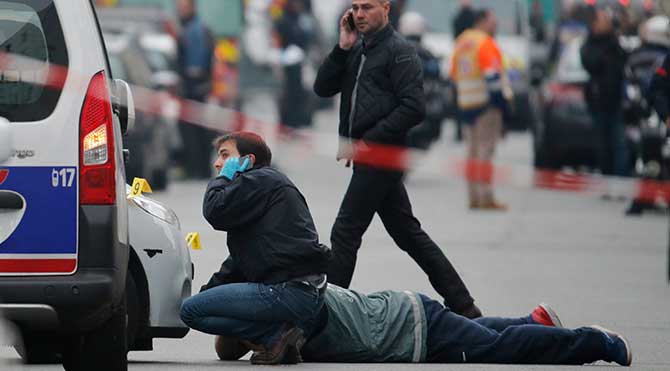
(86, 273)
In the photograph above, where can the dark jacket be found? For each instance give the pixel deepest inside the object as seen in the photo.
(659, 90)
(271, 234)
(464, 19)
(195, 53)
(604, 59)
(390, 98)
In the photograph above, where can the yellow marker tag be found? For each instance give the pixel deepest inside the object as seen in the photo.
(139, 186)
(193, 241)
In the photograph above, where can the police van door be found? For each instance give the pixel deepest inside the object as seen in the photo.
(39, 182)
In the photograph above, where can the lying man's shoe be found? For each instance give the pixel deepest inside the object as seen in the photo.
(618, 349)
(277, 354)
(544, 315)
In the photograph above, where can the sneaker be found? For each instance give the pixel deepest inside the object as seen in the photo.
(618, 349)
(544, 315)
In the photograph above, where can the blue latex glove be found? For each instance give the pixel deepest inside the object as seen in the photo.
(235, 165)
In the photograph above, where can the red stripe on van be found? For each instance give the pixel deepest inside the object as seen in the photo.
(37, 265)
(3, 175)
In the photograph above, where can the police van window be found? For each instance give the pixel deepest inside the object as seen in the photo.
(32, 39)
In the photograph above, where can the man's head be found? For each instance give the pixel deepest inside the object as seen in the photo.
(240, 144)
(186, 8)
(485, 20)
(466, 3)
(601, 22)
(370, 16)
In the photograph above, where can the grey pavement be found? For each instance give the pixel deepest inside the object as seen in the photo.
(575, 251)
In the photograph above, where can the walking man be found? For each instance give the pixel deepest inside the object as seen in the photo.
(483, 91)
(195, 51)
(380, 78)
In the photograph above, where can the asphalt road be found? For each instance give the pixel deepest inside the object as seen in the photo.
(575, 251)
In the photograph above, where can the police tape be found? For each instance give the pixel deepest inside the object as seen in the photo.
(16, 68)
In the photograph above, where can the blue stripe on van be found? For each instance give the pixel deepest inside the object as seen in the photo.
(49, 224)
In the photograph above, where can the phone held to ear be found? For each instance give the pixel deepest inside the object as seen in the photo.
(350, 21)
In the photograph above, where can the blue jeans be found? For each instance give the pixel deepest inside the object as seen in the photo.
(252, 311)
(456, 339)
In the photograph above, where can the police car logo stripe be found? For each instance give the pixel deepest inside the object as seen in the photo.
(3, 176)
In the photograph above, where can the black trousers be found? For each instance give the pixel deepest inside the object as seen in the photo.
(374, 190)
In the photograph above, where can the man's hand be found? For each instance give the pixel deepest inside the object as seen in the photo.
(348, 36)
(235, 165)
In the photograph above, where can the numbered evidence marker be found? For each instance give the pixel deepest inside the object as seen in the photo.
(193, 241)
(139, 186)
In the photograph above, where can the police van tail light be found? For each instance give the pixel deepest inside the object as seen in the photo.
(97, 169)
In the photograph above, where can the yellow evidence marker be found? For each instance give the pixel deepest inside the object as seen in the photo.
(139, 186)
(193, 241)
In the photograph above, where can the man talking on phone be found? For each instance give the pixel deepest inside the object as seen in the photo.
(270, 289)
(379, 76)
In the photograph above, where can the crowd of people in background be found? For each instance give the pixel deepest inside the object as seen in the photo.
(613, 66)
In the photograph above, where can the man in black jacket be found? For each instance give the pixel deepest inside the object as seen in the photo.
(270, 290)
(604, 59)
(379, 75)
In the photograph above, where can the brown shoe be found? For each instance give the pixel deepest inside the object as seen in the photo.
(292, 338)
(492, 206)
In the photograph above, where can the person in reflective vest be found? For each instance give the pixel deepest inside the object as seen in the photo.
(483, 95)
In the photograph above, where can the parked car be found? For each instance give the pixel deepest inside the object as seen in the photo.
(83, 270)
(153, 138)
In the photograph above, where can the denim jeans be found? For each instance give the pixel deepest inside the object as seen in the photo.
(252, 311)
(456, 339)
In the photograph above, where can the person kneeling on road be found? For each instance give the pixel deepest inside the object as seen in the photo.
(406, 327)
(270, 290)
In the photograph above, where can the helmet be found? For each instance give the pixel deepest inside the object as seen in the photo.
(657, 31)
(412, 24)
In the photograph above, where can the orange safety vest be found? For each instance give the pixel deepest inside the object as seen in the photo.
(477, 57)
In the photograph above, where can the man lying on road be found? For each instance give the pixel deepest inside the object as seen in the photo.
(406, 327)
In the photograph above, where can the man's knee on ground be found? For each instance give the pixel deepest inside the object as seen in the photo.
(187, 312)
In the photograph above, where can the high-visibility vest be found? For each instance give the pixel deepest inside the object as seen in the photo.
(477, 68)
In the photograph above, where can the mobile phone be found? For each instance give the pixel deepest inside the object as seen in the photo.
(350, 21)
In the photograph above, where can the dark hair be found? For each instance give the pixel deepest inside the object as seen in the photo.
(481, 15)
(248, 143)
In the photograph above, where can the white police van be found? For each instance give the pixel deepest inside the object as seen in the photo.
(85, 273)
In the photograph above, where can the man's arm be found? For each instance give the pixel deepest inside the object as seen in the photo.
(407, 84)
(660, 88)
(226, 275)
(591, 59)
(331, 73)
(230, 204)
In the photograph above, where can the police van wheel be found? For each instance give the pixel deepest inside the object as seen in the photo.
(133, 308)
(103, 349)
